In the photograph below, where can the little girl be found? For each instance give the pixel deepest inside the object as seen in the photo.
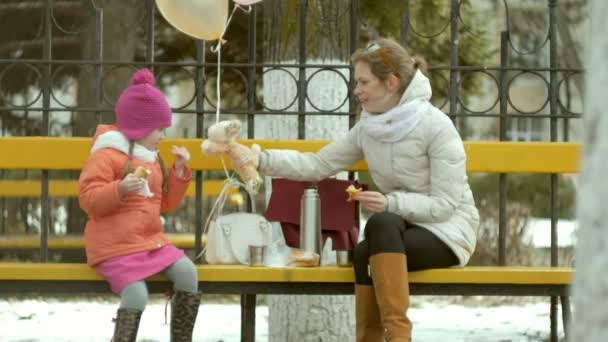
(124, 236)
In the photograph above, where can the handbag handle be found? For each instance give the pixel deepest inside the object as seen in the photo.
(223, 196)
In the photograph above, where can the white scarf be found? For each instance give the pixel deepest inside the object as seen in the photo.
(395, 124)
(117, 141)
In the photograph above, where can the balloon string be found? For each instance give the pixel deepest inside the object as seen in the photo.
(217, 86)
(218, 49)
(221, 38)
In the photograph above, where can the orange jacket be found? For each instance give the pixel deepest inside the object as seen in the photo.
(132, 224)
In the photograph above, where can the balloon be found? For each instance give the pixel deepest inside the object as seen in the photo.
(246, 2)
(202, 19)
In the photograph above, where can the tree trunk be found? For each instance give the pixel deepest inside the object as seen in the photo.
(306, 318)
(311, 318)
(122, 23)
(122, 32)
(590, 284)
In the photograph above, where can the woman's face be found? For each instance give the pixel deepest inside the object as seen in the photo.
(376, 96)
(152, 140)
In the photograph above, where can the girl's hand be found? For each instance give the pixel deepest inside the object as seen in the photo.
(182, 156)
(131, 183)
(372, 201)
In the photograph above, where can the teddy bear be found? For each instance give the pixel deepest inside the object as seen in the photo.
(221, 138)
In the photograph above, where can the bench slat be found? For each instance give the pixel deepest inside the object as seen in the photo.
(329, 274)
(77, 242)
(523, 157)
(508, 157)
(69, 188)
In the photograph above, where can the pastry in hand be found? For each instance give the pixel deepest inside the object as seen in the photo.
(142, 172)
(352, 191)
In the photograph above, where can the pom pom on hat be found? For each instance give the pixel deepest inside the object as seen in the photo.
(142, 108)
(143, 76)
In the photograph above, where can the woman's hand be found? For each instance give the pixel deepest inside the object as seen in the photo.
(182, 156)
(372, 201)
(131, 183)
(241, 155)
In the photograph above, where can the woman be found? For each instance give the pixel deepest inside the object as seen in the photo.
(424, 215)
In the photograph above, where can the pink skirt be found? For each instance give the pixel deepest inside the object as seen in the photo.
(127, 269)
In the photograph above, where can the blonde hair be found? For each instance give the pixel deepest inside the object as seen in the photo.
(128, 167)
(386, 57)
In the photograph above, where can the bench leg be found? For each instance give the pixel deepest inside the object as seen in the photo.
(248, 317)
(553, 316)
(566, 314)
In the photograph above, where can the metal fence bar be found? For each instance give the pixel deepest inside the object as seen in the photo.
(200, 122)
(46, 104)
(252, 76)
(119, 63)
(553, 106)
(453, 90)
(251, 87)
(302, 70)
(99, 65)
(275, 112)
(354, 41)
(502, 178)
(150, 23)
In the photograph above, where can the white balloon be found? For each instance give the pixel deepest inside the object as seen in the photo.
(202, 19)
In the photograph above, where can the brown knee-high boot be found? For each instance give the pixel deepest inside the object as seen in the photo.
(127, 324)
(369, 327)
(184, 309)
(389, 273)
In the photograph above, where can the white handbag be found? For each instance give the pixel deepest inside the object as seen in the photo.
(229, 236)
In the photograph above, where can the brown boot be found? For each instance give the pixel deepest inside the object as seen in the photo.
(127, 324)
(389, 273)
(369, 327)
(184, 309)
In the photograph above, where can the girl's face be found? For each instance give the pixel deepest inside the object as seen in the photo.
(376, 96)
(152, 140)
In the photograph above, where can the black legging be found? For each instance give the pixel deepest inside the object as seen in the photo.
(389, 233)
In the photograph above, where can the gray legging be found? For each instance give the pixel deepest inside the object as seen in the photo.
(182, 273)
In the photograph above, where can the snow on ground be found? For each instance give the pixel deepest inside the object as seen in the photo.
(442, 319)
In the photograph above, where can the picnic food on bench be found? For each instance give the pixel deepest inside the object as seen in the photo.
(300, 258)
(142, 172)
(352, 191)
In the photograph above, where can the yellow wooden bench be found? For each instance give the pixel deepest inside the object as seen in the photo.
(61, 278)
(486, 157)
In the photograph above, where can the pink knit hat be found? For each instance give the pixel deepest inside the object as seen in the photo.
(142, 108)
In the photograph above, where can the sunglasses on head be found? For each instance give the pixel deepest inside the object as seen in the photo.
(373, 47)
